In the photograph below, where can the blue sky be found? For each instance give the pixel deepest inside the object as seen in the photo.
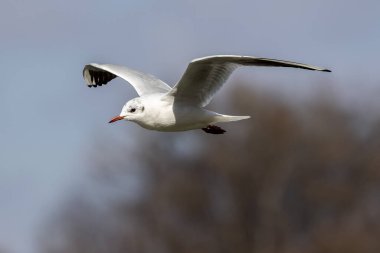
(50, 119)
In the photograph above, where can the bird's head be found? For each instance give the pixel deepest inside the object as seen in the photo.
(133, 110)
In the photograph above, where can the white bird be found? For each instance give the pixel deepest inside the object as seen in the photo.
(162, 108)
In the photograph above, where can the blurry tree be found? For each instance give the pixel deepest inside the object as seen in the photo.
(293, 179)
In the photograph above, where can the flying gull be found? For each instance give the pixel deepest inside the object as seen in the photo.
(180, 108)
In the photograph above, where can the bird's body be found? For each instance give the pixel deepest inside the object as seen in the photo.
(162, 108)
(162, 114)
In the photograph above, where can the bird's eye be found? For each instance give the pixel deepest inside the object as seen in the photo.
(133, 110)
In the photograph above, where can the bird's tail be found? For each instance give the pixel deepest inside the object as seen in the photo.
(228, 118)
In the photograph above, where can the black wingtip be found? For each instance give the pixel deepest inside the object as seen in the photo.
(326, 70)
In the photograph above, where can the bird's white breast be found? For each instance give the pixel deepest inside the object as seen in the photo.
(162, 114)
(158, 113)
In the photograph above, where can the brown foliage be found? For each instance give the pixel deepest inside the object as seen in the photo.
(290, 180)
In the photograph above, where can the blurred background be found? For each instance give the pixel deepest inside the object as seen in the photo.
(302, 175)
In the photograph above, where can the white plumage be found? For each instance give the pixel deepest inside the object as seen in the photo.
(160, 107)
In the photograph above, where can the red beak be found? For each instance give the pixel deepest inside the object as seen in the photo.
(116, 119)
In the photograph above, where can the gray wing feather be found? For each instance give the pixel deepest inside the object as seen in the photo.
(100, 74)
(205, 76)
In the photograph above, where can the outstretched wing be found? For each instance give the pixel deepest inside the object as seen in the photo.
(98, 74)
(205, 76)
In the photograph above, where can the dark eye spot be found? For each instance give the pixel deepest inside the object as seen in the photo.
(133, 109)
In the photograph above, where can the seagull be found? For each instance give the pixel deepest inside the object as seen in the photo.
(182, 107)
